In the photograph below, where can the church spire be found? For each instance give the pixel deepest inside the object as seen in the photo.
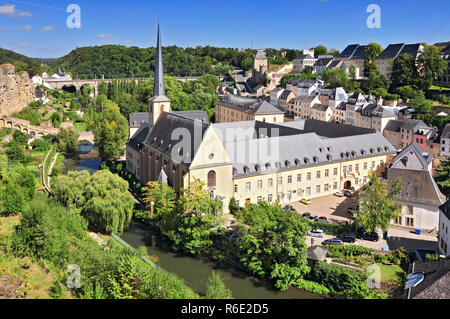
(159, 89)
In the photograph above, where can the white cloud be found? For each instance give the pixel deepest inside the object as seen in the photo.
(47, 29)
(106, 36)
(10, 10)
(26, 28)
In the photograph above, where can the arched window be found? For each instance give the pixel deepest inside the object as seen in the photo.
(212, 179)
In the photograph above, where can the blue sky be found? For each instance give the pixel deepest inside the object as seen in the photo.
(38, 28)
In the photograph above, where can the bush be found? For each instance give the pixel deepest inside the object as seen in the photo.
(350, 250)
(40, 145)
(312, 286)
(333, 229)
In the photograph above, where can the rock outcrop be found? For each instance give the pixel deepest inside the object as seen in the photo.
(16, 90)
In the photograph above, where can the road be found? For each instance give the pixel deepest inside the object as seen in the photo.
(335, 209)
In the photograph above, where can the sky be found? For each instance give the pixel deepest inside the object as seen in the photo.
(39, 28)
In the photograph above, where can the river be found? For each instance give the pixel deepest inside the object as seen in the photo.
(195, 271)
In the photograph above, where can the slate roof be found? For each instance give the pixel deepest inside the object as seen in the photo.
(360, 52)
(160, 137)
(335, 64)
(261, 54)
(316, 253)
(305, 57)
(285, 94)
(138, 139)
(412, 157)
(446, 132)
(323, 62)
(391, 52)
(321, 107)
(303, 83)
(409, 124)
(194, 115)
(348, 51)
(436, 280)
(305, 143)
(249, 105)
(374, 110)
(137, 119)
(446, 209)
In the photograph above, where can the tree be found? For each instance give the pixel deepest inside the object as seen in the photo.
(442, 177)
(378, 206)
(272, 243)
(103, 199)
(216, 289)
(68, 140)
(371, 52)
(13, 201)
(111, 132)
(15, 153)
(430, 65)
(335, 78)
(160, 200)
(320, 50)
(193, 222)
(20, 138)
(421, 105)
(404, 71)
(247, 64)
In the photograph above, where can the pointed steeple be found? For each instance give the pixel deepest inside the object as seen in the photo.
(159, 90)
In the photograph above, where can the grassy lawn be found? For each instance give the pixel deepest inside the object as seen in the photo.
(391, 273)
(81, 127)
(38, 279)
(439, 88)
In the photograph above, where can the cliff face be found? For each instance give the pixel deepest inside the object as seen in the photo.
(16, 90)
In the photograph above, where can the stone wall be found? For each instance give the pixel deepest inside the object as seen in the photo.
(16, 90)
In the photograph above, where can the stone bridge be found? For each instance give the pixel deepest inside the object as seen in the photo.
(59, 84)
(39, 131)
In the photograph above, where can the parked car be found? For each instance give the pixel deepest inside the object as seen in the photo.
(334, 241)
(322, 219)
(306, 215)
(371, 237)
(289, 208)
(348, 238)
(305, 201)
(312, 218)
(339, 194)
(317, 233)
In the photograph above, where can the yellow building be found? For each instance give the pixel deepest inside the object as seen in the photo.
(233, 108)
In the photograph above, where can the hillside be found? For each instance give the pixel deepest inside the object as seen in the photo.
(23, 63)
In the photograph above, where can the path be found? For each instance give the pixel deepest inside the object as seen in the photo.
(51, 169)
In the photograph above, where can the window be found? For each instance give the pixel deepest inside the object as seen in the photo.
(335, 186)
(318, 174)
(299, 193)
(308, 176)
(373, 164)
(308, 191)
(409, 222)
(269, 198)
(318, 189)
(365, 180)
(357, 181)
(259, 184)
(259, 199)
(289, 179)
(289, 196)
(212, 179)
(335, 172)
(280, 180)
(236, 188)
(327, 173)
(365, 166)
(299, 177)
(410, 210)
(350, 168)
(357, 168)
(248, 187)
(326, 187)
(270, 182)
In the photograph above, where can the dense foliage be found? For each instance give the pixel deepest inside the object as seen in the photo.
(57, 235)
(102, 199)
(67, 139)
(191, 222)
(272, 243)
(216, 288)
(378, 205)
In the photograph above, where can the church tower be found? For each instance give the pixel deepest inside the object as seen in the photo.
(159, 103)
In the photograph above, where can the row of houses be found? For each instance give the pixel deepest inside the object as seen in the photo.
(354, 55)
